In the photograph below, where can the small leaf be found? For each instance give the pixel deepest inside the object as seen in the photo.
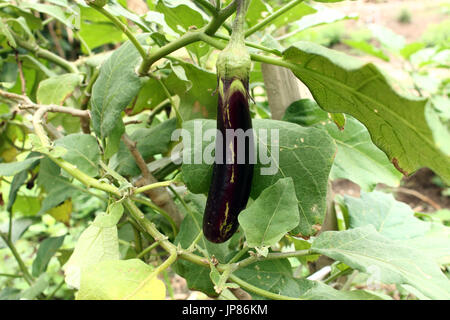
(19, 226)
(116, 86)
(62, 212)
(46, 250)
(37, 287)
(271, 215)
(57, 89)
(13, 168)
(82, 151)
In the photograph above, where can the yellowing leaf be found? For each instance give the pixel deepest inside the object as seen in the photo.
(62, 212)
(120, 280)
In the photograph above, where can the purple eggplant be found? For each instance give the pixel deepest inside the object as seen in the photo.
(233, 168)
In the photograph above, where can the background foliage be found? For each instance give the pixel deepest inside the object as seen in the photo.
(92, 206)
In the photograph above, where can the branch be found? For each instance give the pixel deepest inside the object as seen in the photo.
(159, 195)
(47, 55)
(188, 38)
(26, 275)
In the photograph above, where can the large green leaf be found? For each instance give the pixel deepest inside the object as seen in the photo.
(397, 124)
(367, 250)
(304, 154)
(272, 215)
(357, 158)
(82, 151)
(120, 280)
(395, 220)
(116, 86)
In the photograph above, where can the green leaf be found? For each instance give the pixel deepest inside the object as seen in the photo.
(37, 287)
(99, 242)
(199, 101)
(366, 47)
(13, 168)
(98, 34)
(19, 226)
(294, 14)
(116, 86)
(51, 10)
(120, 280)
(388, 38)
(304, 154)
(57, 89)
(149, 142)
(150, 95)
(82, 151)
(4, 30)
(271, 215)
(395, 220)
(46, 250)
(274, 276)
(57, 187)
(391, 218)
(397, 124)
(366, 250)
(180, 17)
(19, 179)
(357, 158)
(316, 290)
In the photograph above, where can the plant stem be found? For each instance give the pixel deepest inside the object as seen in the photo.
(26, 275)
(187, 38)
(272, 256)
(150, 204)
(137, 240)
(183, 41)
(51, 295)
(119, 24)
(47, 55)
(8, 275)
(272, 17)
(152, 186)
(337, 275)
(148, 249)
(208, 6)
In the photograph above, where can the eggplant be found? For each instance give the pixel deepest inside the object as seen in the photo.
(233, 168)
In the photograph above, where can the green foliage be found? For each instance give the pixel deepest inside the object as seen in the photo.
(91, 94)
